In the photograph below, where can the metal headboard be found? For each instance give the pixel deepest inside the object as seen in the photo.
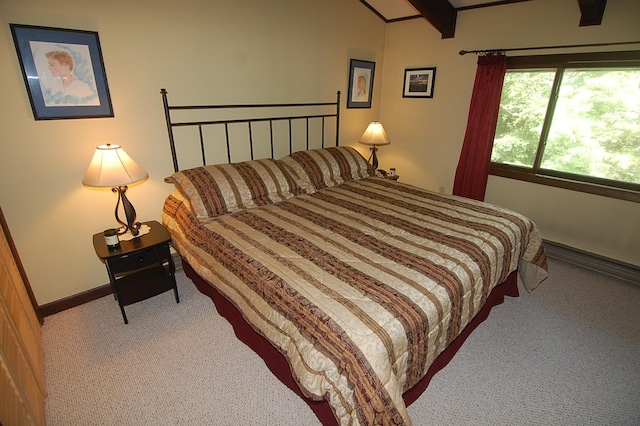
(200, 124)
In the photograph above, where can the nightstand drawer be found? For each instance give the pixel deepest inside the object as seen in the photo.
(139, 260)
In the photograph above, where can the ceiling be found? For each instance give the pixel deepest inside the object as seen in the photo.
(442, 13)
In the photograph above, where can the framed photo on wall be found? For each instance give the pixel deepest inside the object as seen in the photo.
(419, 82)
(360, 83)
(63, 71)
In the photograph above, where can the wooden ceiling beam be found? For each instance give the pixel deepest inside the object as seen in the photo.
(440, 13)
(591, 12)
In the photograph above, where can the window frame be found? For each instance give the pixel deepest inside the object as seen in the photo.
(536, 174)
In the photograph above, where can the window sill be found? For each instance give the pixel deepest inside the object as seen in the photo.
(558, 182)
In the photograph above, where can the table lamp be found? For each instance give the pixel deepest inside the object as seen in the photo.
(112, 167)
(374, 136)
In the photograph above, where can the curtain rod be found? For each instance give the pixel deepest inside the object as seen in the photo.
(464, 52)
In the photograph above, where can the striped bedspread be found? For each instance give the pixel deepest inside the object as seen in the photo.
(360, 285)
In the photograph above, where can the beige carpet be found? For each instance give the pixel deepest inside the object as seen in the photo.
(567, 354)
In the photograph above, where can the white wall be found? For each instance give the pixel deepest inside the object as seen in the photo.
(224, 51)
(427, 134)
(256, 51)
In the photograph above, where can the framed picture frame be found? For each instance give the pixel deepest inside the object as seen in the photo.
(361, 75)
(419, 82)
(63, 71)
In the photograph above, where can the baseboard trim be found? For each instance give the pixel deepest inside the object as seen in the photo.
(89, 295)
(75, 300)
(593, 262)
(610, 267)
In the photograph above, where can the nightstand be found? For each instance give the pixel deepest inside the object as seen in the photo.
(141, 268)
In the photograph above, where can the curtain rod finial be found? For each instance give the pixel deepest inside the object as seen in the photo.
(462, 52)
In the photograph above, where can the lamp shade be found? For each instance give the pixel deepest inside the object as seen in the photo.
(112, 167)
(375, 135)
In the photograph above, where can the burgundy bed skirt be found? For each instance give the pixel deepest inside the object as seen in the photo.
(277, 363)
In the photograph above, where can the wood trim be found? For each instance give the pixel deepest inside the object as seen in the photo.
(89, 295)
(371, 8)
(593, 262)
(495, 3)
(75, 300)
(22, 376)
(591, 12)
(620, 58)
(519, 173)
(23, 274)
(440, 14)
(587, 184)
(406, 18)
(611, 267)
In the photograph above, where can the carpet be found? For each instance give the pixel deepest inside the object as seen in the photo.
(566, 354)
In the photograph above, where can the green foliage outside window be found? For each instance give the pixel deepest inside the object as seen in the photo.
(525, 98)
(594, 130)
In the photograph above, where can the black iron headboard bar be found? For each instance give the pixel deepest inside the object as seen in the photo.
(170, 124)
(337, 118)
(249, 124)
(271, 136)
(167, 116)
(290, 139)
(322, 128)
(237, 106)
(245, 120)
(226, 136)
(204, 160)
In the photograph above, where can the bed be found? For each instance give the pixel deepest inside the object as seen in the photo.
(355, 289)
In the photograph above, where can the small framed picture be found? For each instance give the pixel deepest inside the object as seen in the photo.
(419, 82)
(63, 71)
(360, 83)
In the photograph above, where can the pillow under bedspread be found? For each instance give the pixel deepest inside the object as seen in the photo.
(216, 190)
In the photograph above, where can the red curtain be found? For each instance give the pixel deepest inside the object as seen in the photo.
(475, 159)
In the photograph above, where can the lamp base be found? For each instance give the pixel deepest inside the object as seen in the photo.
(129, 211)
(373, 158)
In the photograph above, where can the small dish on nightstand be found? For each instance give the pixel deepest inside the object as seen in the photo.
(388, 175)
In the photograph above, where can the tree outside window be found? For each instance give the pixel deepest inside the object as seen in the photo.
(578, 123)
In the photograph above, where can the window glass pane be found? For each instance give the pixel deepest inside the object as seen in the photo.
(596, 125)
(525, 97)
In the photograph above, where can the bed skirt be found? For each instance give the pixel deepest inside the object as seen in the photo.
(277, 363)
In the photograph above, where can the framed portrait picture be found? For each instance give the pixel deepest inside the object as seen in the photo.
(419, 82)
(360, 83)
(63, 71)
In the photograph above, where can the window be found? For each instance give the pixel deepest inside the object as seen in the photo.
(572, 121)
